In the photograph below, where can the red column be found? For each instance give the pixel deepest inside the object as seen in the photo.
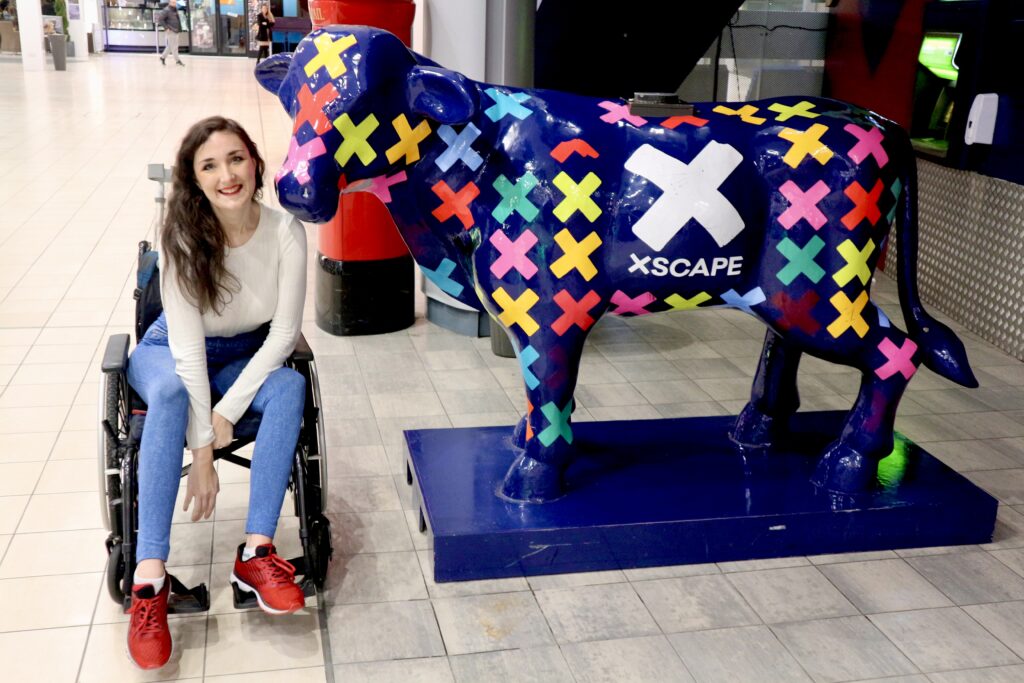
(365, 283)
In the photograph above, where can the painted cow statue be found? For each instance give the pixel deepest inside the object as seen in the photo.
(554, 209)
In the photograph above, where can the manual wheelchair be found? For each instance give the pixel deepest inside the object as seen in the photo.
(122, 418)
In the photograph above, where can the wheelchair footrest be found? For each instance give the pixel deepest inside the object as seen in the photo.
(243, 599)
(184, 600)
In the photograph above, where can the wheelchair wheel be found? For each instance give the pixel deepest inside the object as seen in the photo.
(115, 571)
(113, 402)
(318, 474)
(319, 550)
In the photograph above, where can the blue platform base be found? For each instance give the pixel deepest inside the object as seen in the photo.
(662, 492)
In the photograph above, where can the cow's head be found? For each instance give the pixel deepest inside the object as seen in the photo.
(343, 87)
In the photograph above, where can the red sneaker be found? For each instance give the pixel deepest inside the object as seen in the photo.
(271, 578)
(149, 639)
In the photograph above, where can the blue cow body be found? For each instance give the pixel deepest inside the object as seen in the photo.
(552, 209)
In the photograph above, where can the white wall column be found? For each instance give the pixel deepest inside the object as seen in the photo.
(30, 25)
(79, 29)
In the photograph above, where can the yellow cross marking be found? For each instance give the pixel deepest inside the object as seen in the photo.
(329, 54)
(785, 113)
(746, 113)
(681, 303)
(849, 314)
(354, 139)
(577, 197)
(516, 311)
(577, 255)
(409, 140)
(856, 262)
(804, 143)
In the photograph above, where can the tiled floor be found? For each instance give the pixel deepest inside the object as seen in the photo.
(74, 201)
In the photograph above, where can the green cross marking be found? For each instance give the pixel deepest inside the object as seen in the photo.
(801, 260)
(514, 198)
(896, 188)
(354, 139)
(559, 420)
(799, 109)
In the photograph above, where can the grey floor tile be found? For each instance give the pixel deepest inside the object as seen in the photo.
(370, 532)
(670, 572)
(757, 565)
(246, 642)
(638, 660)
(839, 558)
(793, 594)
(362, 494)
(609, 395)
(884, 586)
(697, 409)
(656, 369)
(749, 654)
(970, 578)
(1006, 485)
(389, 630)
(710, 368)
(375, 577)
(1005, 621)
(736, 388)
(464, 402)
(671, 391)
(943, 639)
(424, 670)
(965, 456)
(695, 603)
(594, 370)
(482, 623)
(843, 649)
(406, 404)
(1014, 559)
(996, 674)
(456, 589)
(536, 665)
(552, 581)
(604, 612)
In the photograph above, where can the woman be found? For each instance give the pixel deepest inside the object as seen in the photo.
(264, 27)
(233, 286)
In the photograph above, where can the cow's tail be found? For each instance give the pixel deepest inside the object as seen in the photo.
(942, 350)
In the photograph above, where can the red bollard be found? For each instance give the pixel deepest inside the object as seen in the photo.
(366, 277)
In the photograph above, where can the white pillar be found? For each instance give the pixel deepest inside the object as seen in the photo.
(30, 26)
(455, 35)
(79, 29)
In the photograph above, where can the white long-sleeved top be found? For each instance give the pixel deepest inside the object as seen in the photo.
(271, 271)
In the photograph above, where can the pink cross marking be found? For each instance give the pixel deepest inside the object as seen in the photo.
(381, 185)
(619, 112)
(630, 306)
(299, 156)
(869, 142)
(803, 204)
(899, 359)
(513, 254)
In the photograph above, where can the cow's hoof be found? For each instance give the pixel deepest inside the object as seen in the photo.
(532, 481)
(519, 433)
(753, 429)
(843, 470)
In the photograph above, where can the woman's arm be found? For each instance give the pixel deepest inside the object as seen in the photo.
(187, 340)
(285, 326)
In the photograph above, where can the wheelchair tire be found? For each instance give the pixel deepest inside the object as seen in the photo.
(114, 406)
(321, 441)
(115, 573)
(319, 551)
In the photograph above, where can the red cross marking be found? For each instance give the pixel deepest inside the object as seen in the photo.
(632, 306)
(673, 122)
(311, 108)
(865, 204)
(899, 359)
(869, 143)
(796, 313)
(566, 148)
(575, 312)
(455, 203)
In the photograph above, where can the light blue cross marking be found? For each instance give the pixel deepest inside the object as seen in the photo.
(559, 420)
(513, 197)
(883, 319)
(459, 147)
(507, 103)
(528, 357)
(440, 277)
(895, 189)
(745, 302)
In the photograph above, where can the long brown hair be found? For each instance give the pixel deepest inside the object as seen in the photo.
(191, 236)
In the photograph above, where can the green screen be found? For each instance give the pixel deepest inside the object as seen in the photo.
(938, 52)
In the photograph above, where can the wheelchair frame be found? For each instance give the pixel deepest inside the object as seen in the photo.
(118, 445)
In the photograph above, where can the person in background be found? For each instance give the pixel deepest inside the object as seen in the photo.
(167, 17)
(264, 31)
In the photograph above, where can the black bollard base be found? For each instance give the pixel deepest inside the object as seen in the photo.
(364, 297)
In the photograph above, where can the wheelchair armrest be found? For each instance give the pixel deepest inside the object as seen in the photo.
(115, 357)
(302, 351)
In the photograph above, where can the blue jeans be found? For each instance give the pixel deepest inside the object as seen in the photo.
(279, 402)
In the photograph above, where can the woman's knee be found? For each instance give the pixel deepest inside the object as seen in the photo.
(168, 391)
(288, 384)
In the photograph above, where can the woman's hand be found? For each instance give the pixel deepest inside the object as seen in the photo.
(223, 430)
(203, 484)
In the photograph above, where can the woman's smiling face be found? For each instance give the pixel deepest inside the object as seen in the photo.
(225, 171)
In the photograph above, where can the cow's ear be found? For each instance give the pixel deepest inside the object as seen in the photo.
(439, 94)
(271, 71)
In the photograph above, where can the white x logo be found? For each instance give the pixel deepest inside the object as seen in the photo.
(689, 191)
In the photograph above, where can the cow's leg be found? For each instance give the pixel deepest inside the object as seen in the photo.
(773, 397)
(887, 361)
